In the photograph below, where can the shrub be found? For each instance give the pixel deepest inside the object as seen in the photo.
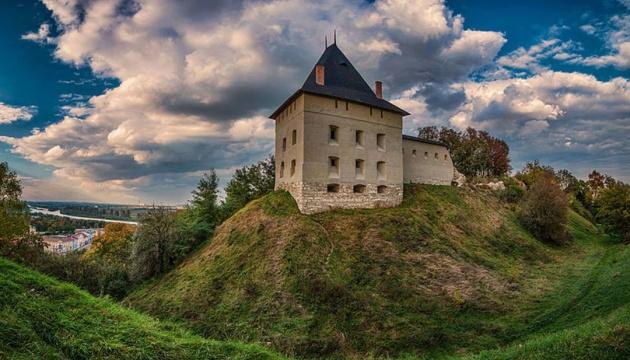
(614, 210)
(513, 192)
(544, 210)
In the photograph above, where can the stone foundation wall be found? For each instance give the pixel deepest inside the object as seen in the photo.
(313, 198)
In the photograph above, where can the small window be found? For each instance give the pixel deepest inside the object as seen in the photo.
(294, 105)
(346, 106)
(294, 137)
(333, 166)
(380, 170)
(333, 135)
(381, 189)
(380, 141)
(359, 166)
(370, 111)
(445, 157)
(332, 188)
(436, 156)
(292, 167)
(413, 152)
(381, 114)
(282, 169)
(358, 137)
(284, 144)
(360, 188)
(426, 154)
(336, 104)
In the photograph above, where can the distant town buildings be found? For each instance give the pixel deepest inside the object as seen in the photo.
(63, 244)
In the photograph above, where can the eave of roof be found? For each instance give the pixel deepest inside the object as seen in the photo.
(426, 141)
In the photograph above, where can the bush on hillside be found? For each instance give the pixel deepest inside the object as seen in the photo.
(544, 210)
(613, 210)
(513, 192)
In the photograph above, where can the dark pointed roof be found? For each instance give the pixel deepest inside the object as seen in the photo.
(341, 81)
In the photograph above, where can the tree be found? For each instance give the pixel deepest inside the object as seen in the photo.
(205, 198)
(113, 244)
(544, 210)
(613, 210)
(153, 248)
(532, 171)
(249, 183)
(474, 152)
(15, 240)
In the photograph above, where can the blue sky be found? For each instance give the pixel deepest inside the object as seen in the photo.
(130, 101)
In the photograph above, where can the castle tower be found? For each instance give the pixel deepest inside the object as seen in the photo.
(338, 143)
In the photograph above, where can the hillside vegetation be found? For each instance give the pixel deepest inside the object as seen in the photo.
(41, 318)
(450, 271)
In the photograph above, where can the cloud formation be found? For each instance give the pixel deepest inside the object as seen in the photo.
(196, 83)
(9, 114)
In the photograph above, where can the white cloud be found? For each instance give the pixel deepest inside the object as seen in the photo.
(196, 82)
(42, 35)
(618, 39)
(9, 114)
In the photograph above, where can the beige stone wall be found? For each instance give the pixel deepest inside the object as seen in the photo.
(311, 117)
(313, 198)
(426, 169)
(291, 118)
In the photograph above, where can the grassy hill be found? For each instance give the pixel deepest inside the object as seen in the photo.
(448, 273)
(41, 318)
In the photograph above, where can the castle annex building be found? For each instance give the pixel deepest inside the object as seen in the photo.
(340, 145)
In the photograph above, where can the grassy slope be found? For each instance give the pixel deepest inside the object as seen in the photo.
(449, 270)
(587, 315)
(41, 318)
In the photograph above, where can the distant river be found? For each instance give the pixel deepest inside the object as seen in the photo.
(44, 211)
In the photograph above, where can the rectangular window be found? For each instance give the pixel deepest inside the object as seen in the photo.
(380, 141)
(370, 111)
(292, 167)
(336, 104)
(381, 170)
(333, 134)
(358, 138)
(282, 169)
(359, 188)
(359, 166)
(284, 144)
(436, 156)
(426, 154)
(332, 188)
(381, 114)
(346, 106)
(294, 137)
(413, 152)
(333, 166)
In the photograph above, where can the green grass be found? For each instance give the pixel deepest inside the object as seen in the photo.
(450, 271)
(41, 318)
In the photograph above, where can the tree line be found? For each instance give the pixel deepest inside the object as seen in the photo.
(125, 255)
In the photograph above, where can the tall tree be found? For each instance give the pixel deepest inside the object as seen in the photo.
(249, 183)
(153, 249)
(474, 152)
(15, 240)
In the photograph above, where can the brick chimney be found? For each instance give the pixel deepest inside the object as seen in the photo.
(319, 75)
(378, 89)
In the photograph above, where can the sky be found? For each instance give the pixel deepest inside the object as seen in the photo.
(131, 101)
